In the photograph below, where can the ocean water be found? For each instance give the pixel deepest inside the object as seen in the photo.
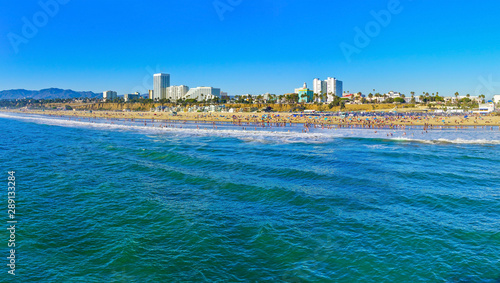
(120, 201)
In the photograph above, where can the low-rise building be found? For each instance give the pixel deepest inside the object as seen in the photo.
(410, 99)
(224, 96)
(393, 94)
(202, 93)
(129, 97)
(485, 108)
(496, 99)
(268, 97)
(305, 95)
(453, 99)
(348, 95)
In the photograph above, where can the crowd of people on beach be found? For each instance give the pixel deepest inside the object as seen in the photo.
(374, 122)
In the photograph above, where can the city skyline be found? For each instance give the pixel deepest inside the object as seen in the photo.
(253, 47)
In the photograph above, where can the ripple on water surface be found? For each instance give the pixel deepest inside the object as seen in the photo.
(133, 204)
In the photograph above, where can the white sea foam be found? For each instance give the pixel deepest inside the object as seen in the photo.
(247, 135)
(283, 135)
(451, 141)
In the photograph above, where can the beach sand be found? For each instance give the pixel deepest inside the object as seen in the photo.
(245, 118)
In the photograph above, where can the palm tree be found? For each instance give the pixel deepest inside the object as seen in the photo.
(303, 96)
(260, 99)
(456, 97)
(271, 98)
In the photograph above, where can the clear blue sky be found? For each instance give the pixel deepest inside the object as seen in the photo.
(255, 46)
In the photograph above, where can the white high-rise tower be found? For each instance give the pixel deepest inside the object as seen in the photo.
(320, 88)
(161, 82)
(330, 87)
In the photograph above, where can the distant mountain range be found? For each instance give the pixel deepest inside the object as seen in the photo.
(49, 93)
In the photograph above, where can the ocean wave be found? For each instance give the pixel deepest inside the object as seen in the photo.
(262, 136)
(446, 141)
(291, 135)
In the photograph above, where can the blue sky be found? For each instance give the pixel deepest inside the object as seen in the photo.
(252, 46)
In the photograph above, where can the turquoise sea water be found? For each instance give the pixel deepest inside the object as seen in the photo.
(128, 202)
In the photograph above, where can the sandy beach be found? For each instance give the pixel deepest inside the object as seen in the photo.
(281, 118)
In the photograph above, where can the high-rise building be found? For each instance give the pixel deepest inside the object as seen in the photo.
(109, 95)
(161, 82)
(319, 86)
(150, 96)
(331, 87)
